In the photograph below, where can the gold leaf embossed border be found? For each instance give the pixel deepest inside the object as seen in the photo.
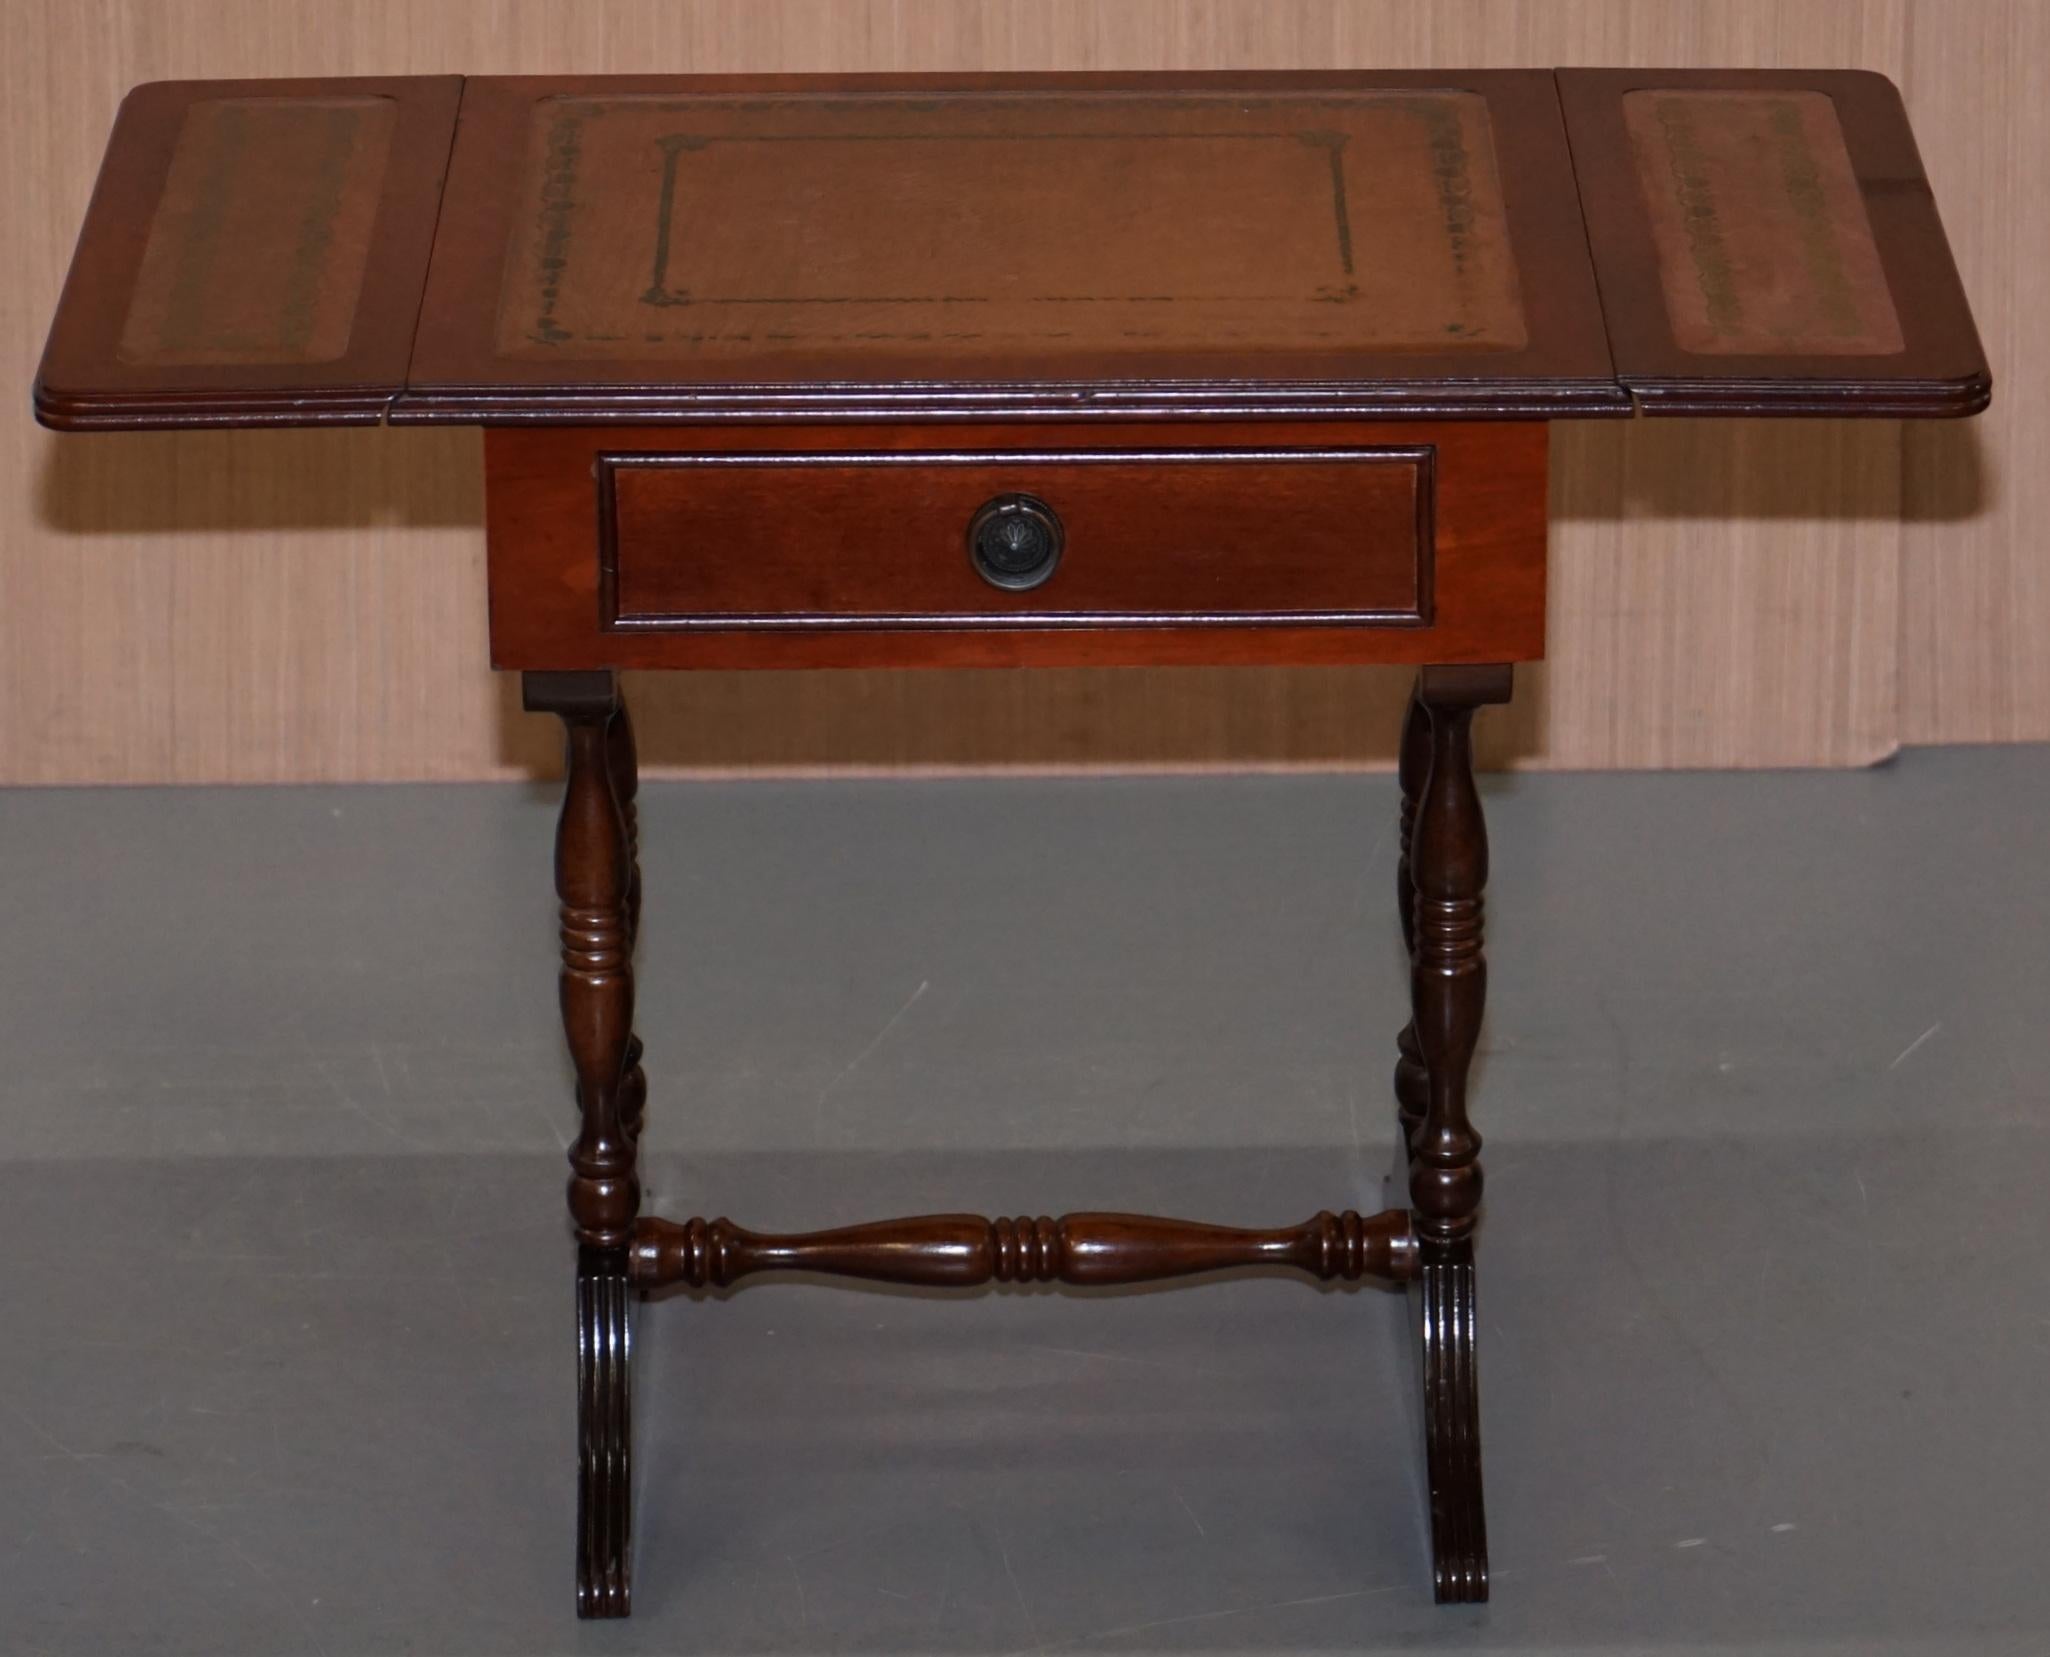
(1763, 242)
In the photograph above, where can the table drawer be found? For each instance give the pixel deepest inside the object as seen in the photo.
(758, 547)
(955, 539)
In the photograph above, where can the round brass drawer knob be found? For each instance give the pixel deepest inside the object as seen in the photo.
(1014, 541)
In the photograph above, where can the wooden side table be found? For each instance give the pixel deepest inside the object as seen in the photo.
(1015, 371)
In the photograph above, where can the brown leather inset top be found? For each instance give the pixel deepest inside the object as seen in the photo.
(730, 227)
(1762, 237)
(1767, 243)
(1451, 243)
(234, 274)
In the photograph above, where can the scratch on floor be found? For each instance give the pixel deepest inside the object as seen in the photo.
(1230, 1611)
(819, 1108)
(1004, 1552)
(177, 1516)
(548, 1116)
(1117, 1358)
(351, 1102)
(1917, 1042)
(803, 1607)
(383, 1076)
(1191, 1512)
(1360, 892)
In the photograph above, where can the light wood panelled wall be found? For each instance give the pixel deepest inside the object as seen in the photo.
(1975, 593)
(301, 605)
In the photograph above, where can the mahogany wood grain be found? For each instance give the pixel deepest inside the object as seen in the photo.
(1098, 246)
(1448, 869)
(1773, 242)
(876, 539)
(1448, 969)
(254, 254)
(851, 534)
(1447, 1340)
(963, 1250)
(622, 762)
(604, 1537)
(596, 881)
(1413, 770)
(592, 882)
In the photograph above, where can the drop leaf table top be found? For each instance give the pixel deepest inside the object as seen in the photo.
(1438, 243)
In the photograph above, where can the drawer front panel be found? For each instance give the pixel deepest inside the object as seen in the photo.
(1248, 542)
(879, 540)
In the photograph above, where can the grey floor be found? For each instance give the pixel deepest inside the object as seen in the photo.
(284, 1281)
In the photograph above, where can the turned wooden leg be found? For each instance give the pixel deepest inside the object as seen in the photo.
(624, 765)
(1413, 768)
(593, 881)
(1448, 986)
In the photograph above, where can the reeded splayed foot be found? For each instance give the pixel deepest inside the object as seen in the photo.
(605, 1302)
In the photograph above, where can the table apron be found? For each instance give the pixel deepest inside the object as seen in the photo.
(1194, 544)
